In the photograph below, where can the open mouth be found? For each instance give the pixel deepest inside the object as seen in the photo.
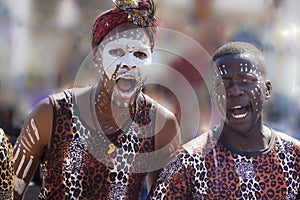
(239, 111)
(126, 84)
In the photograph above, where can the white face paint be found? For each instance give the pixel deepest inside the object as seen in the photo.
(123, 57)
(126, 52)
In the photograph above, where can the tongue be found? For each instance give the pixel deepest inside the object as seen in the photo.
(240, 111)
(124, 85)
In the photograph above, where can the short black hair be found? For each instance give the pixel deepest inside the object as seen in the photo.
(234, 48)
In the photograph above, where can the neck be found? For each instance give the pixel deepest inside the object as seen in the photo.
(111, 118)
(255, 140)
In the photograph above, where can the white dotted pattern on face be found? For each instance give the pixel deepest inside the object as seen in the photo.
(130, 42)
(244, 67)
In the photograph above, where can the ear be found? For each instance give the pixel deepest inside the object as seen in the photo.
(268, 90)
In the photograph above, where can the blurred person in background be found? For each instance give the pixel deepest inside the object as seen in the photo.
(199, 21)
(241, 158)
(101, 142)
(6, 168)
(275, 31)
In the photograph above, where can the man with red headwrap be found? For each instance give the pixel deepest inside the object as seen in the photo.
(101, 142)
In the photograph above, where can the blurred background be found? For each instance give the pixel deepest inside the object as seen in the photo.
(43, 43)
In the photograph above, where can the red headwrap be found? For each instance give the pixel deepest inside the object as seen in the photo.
(139, 13)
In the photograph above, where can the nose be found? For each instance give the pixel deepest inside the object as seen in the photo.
(129, 67)
(234, 91)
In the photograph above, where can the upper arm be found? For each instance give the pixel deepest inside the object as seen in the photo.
(31, 144)
(167, 140)
(167, 130)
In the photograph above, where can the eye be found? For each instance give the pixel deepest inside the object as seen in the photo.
(245, 81)
(117, 52)
(226, 83)
(141, 55)
(248, 80)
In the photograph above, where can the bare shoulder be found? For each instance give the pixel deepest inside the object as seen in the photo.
(43, 107)
(161, 111)
(40, 119)
(166, 125)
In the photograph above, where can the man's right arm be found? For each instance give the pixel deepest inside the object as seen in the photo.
(31, 145)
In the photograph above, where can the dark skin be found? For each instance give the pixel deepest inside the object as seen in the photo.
(242, 78)
(37, 130)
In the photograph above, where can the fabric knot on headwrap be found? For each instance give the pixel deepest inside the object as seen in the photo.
(141, 13)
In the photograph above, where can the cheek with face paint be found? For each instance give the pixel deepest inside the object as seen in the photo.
(256, 90)
(258, 98)
(127, 53)
(219, 99)
(218, 94)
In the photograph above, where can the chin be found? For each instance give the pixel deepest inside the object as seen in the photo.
(124, 100)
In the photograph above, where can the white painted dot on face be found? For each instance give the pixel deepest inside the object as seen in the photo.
(221, 72)
(253, 94)
(255, 72)
(224, 68)
(241, 64)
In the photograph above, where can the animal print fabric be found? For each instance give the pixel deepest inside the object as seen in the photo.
(212, 171)
(80, 164)
(6, 168)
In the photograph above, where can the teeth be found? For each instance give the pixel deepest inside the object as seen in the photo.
(240, 116)
(236, 107)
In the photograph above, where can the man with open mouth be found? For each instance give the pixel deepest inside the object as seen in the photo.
(241, 158)
(101, 141)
